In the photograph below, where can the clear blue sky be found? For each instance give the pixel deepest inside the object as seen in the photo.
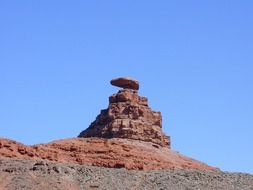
(194, 61)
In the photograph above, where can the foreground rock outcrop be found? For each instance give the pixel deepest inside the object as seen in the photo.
(16, 174)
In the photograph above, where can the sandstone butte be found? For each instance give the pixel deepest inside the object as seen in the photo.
(128, 134)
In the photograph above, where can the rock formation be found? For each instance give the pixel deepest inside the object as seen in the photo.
(128, 134)
(110, 153)
(20, 174)
(128, 116)
(126, 82)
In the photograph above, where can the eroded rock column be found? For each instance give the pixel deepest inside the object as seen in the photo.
(128, 116)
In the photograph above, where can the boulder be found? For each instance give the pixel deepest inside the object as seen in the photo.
(126, 83)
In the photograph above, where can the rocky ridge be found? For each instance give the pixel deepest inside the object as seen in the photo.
(110, 153)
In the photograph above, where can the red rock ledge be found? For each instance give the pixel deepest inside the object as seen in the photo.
(112, 153)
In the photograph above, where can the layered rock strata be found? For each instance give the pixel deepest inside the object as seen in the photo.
(128, 116)
(110, 153)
